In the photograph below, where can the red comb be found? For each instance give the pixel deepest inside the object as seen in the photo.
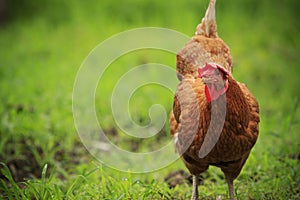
(209, 67)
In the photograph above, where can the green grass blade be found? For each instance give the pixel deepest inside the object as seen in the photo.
(15, 188)
(5, 190)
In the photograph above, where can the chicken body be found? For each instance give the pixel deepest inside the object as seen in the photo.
(239, 131)
(219, 132)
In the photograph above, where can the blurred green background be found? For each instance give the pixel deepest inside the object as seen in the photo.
(42, 45)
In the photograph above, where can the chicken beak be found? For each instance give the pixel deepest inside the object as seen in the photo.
(207, 79)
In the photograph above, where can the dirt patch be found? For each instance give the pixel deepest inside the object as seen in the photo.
(25, 165)
(22, 165)
(295, 157)
(180, 177)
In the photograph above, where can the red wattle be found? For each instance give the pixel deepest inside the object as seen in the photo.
(207, 94)
(212, 94)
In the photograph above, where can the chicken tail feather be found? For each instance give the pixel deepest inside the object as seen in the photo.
(208, 26)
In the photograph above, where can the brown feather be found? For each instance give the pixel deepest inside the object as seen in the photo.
(238, 135)
(200, 50)
(219, 133)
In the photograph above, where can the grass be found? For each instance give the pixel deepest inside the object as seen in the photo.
(41, 49)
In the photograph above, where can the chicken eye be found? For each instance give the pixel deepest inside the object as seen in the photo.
(179, 76)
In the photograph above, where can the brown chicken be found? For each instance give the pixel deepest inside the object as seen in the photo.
(215, 119)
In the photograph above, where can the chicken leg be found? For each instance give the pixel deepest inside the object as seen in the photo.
(231, 188)
(195, 187)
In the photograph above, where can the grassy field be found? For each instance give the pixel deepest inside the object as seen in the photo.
(42, 46)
